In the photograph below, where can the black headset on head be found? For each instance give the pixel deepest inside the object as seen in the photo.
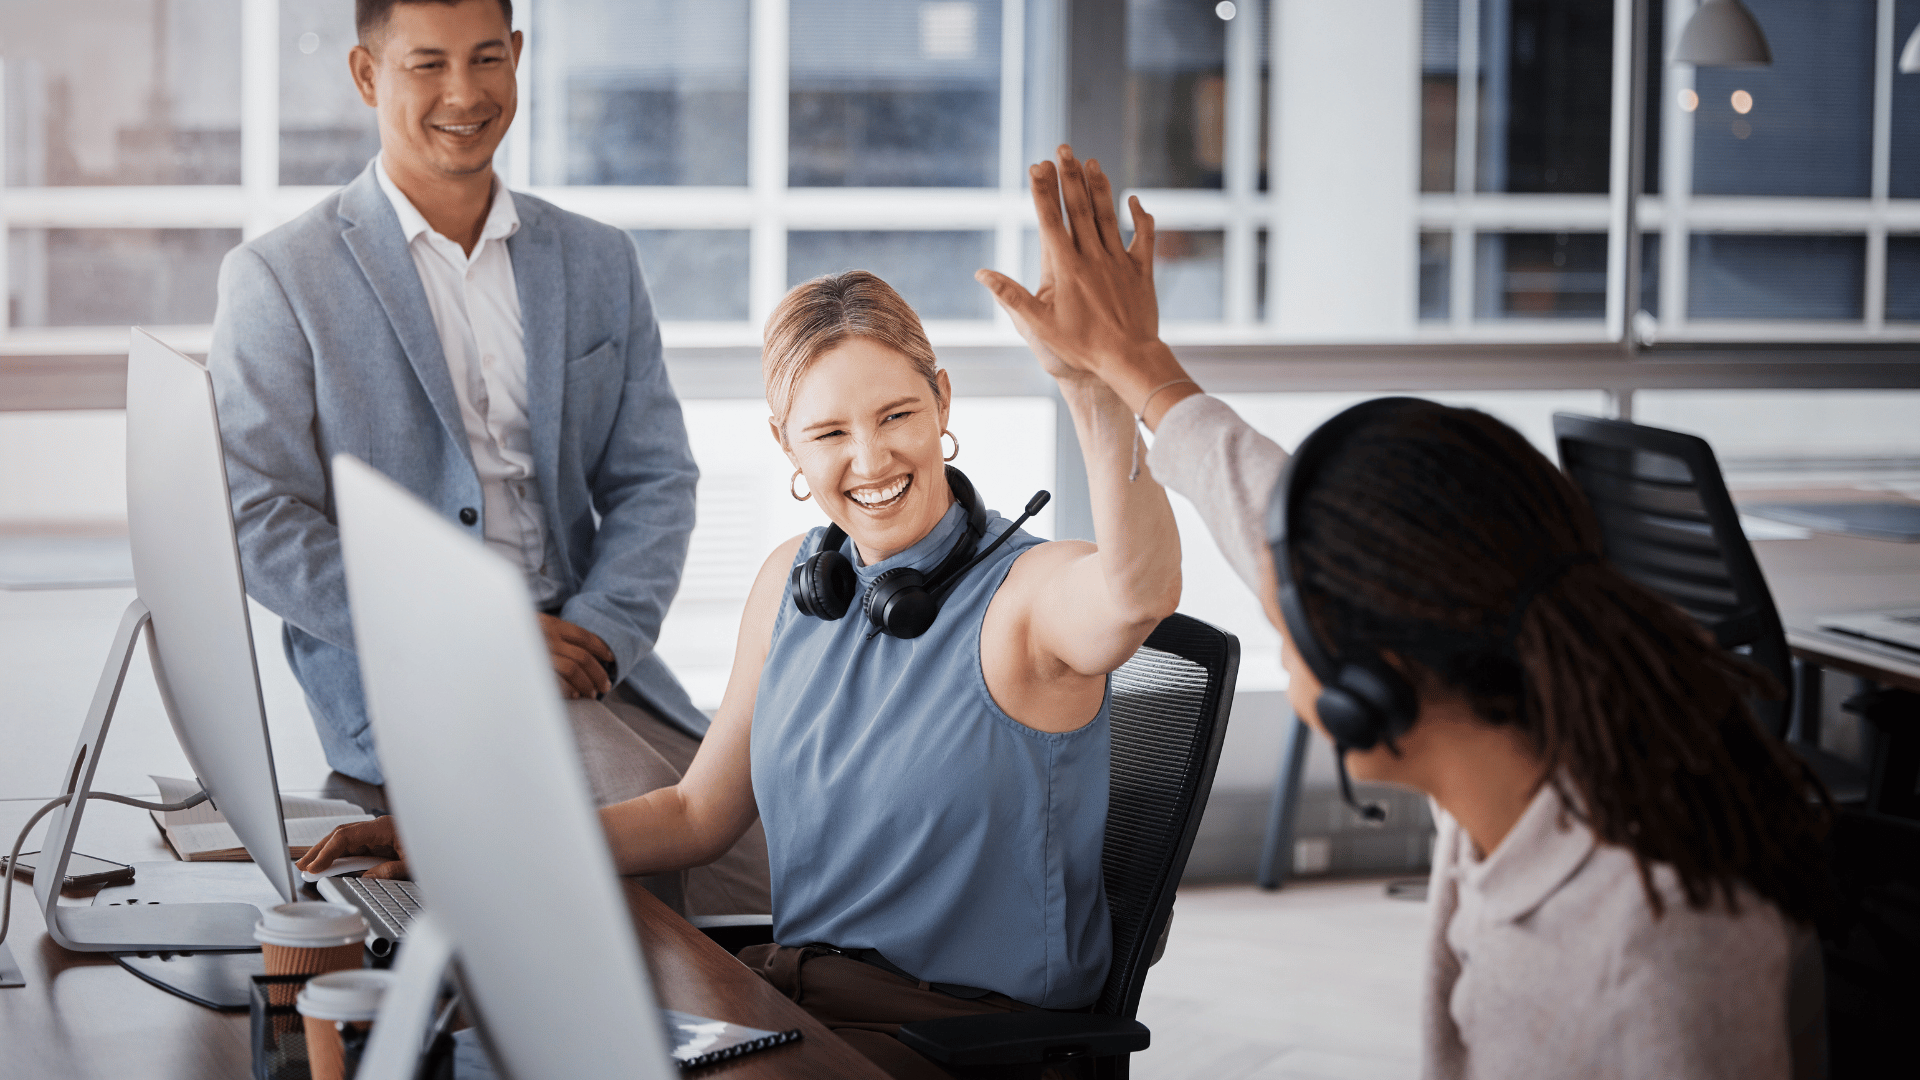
(1363, 700)
(903, 601)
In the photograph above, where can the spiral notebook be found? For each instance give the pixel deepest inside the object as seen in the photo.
(699, 1041)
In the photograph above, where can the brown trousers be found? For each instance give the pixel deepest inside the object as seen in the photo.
(865, 1005)
(628, 751)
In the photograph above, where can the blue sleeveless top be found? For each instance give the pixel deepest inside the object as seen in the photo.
(906, 812)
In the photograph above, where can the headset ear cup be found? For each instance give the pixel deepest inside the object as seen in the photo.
(897, 603)
(1373, 701)
(824, 585)
(1348, 719)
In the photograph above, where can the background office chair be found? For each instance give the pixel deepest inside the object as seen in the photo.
(1668, 523)
(1170, 706)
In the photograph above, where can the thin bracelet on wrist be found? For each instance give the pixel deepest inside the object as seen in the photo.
(1140, 419)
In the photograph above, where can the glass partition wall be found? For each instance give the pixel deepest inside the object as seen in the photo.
(749, 144)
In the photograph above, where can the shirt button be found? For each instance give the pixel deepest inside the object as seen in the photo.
(468, 515)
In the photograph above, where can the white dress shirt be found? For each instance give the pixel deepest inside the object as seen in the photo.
(476, 312)
(1544, 957)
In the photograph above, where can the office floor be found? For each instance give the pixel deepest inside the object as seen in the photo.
(1319, 981)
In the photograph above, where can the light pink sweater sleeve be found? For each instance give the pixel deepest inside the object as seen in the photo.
(1204, 451)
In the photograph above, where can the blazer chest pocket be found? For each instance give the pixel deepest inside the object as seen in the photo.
(594, 385)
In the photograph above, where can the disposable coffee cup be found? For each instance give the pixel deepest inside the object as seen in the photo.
(337, 1009)
(309, 938)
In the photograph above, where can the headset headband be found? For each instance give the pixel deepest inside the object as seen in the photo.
(1302, 469)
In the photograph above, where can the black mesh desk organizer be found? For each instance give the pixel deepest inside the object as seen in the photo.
(1169, 716)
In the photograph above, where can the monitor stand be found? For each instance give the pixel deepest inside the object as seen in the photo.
(165, 927)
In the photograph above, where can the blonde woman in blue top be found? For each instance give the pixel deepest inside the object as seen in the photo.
(935, 804)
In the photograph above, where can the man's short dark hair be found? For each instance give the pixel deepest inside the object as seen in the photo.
(370, 16)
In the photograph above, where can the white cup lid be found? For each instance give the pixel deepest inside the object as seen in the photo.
(344, 995)
(310, 925)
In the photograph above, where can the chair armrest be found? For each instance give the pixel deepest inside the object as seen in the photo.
(735, 932)
(1024, 1038)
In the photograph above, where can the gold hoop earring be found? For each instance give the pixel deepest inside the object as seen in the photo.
(797, 497)
(956, 445)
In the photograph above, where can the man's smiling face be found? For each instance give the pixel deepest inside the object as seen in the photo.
(442, 78)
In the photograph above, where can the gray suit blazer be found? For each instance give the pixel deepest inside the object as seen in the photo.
(323, 343)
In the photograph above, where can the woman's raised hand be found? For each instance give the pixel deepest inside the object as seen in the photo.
(378, 838)
(1094, 313)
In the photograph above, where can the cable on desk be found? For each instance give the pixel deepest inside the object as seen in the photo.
(13, 857)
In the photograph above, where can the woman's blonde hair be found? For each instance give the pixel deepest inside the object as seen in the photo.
(820, 315)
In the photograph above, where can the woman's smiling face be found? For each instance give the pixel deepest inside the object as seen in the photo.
(864, 427)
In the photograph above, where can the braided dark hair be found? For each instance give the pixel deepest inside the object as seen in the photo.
(1419, 537)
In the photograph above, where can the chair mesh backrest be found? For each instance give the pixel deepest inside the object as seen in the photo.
(1669, 524)
(1169, 715)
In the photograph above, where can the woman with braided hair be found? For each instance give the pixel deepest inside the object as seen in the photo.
(1628, 868)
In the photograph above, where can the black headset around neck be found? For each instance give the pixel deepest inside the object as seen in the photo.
(904, 601)
(1363, 700)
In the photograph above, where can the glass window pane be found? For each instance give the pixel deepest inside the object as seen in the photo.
(1176, 94)
(695, 273)
(122, 92)
(1732, 276)
(1541, 276)
(1436, 275)
(1189, 275)
(639, 92)
(114, 277)
(1904, 175)
(1803, 126)
(1439, 94)
(1760, 432)
(932, 270)
(1903, 278)
(327, 134)
(894, 94)
(1546, 97)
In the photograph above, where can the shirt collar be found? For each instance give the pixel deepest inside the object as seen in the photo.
(925, 554)
(503, 220)
(1545, 848)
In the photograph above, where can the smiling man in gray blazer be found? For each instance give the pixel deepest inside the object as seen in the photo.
(497, 356)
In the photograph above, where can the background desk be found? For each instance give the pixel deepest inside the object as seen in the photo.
(83, 1016)
(1829, 574)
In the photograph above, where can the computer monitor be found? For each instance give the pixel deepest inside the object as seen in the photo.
(192, 604)
(489, 794)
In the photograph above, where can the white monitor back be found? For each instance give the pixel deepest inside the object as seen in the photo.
(488, 791)
(186, 567)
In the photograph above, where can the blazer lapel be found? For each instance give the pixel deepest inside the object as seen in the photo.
(540, 277)
(372, 233)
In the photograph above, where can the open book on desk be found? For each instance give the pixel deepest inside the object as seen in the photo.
(699, 1042)
(201, 834)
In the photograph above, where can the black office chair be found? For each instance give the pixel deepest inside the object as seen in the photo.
(1170, 706)
(1669, 524)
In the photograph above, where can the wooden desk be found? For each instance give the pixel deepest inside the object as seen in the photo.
(1830, 574)
(82, 1017)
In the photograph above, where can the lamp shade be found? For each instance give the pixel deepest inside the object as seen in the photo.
(1910, 56)
(1723, 33)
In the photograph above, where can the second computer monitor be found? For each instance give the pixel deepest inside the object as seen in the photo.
(487, 788)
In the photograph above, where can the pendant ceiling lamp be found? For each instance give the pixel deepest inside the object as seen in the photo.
(1723, 33)
(1910, 56)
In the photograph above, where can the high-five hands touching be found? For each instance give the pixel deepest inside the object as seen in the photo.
(1094, 314)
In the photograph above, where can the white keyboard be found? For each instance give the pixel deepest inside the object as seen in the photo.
(389, 906)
